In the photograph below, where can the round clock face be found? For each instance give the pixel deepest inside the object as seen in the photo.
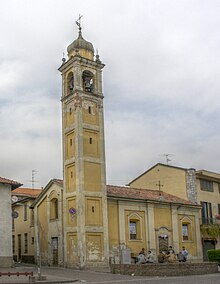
(14, 198)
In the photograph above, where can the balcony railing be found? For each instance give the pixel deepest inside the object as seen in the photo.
(209, 221)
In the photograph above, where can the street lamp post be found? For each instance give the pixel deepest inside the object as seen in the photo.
(38, 253)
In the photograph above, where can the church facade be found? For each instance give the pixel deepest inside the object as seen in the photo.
(101, 222)
(80, 221)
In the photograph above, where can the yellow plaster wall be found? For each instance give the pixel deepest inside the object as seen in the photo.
(70, 145)
(72, 248)
(162, 217)
(173, 180)
(91, 149)
(191, 244)
(94, 247)
(92, 176)
(93, 211)
(69, 116)
(90, 118)
(138, 244)
(113, 225)
(70, 178)
(43, 226)
(71, 219)
(21, 227)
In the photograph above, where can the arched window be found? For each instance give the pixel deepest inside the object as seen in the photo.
(88, 81)
(70, 83)
(54, 209)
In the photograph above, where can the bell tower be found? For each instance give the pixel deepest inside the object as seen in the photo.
(84, 197)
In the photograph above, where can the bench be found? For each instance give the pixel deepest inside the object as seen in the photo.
(16, 273)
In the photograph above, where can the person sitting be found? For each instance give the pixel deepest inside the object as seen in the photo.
(142, 251)
(150, 257)
(171, 258)
(161, 257)
(171, 250)
(141, 259)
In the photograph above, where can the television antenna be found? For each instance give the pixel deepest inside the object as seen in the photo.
(33, 181)
(167, 157)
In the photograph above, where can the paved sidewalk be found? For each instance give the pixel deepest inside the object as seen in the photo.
(65, 275)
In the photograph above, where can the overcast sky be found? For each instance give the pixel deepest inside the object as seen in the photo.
(161, 83)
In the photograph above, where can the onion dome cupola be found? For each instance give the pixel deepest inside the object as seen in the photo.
(81, 47)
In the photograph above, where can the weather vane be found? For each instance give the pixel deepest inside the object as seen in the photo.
(78, 21)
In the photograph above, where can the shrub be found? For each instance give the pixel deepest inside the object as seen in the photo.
(214, 255)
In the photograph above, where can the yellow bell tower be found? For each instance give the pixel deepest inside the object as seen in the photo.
(85, 199)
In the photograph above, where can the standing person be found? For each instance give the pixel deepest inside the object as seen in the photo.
(184, 253)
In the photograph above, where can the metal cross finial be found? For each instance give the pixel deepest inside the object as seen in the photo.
(78, 21)
(159, 186)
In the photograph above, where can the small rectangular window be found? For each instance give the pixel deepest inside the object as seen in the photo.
(25, 212)
(13, 244)
(185, 232)
(71, 142)
(90, 140)
(13, 224)
(206, 185)
(206, 213)
(32, 240)
(133, 230)
(25, 243)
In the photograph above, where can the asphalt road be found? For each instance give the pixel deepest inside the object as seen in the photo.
(62, 275)
(95, 277)
(205, 279)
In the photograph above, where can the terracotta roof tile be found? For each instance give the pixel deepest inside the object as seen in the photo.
(13, 183)
(27, 191)
(143, 194)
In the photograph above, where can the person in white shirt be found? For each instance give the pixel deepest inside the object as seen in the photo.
(184, 253)
(150, 257)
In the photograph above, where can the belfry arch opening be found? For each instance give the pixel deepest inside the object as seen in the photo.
(70, 83)
(88, 81)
